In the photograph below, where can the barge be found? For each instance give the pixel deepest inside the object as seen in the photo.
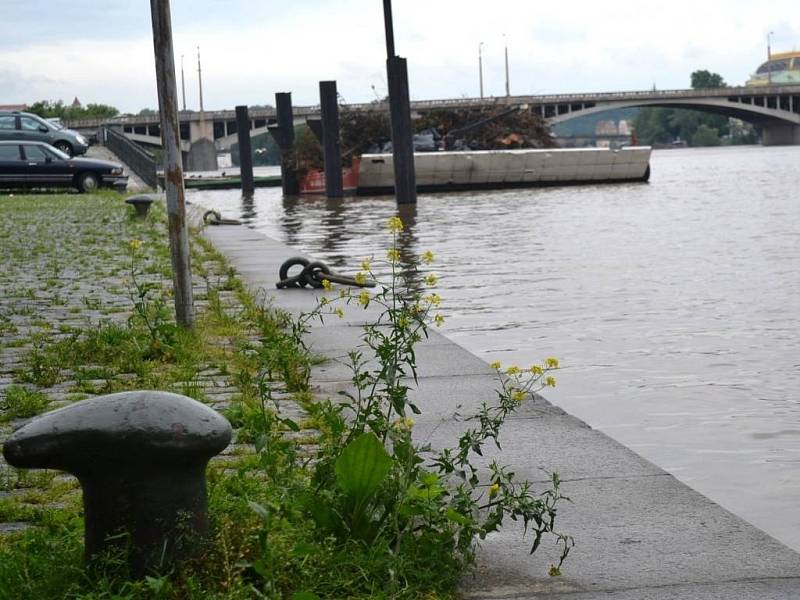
(494, 169)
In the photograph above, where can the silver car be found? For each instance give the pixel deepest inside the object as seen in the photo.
(27, 127)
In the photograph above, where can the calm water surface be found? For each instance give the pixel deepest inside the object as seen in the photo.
(674, 306)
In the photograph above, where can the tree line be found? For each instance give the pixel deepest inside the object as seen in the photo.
(695, 128)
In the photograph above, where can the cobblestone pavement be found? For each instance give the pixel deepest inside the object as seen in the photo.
(67, 268)
(135, 183)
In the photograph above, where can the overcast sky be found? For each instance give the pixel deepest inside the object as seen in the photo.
(102, 51)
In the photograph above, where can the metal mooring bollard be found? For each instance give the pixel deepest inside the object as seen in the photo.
(141, 204)
(140, 458)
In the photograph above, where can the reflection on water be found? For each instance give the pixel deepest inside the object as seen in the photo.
(675, 306)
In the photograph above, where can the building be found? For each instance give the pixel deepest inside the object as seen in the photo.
(780, 69)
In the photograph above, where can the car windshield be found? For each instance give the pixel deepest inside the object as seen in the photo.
(55, 124)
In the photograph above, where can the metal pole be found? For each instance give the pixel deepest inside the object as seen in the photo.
(329, 109)
(245, 151)
(173, 172)
(389, 27)
(285, 139)
(480, 67)
(199, 79)
(183, 85)
(508, 83)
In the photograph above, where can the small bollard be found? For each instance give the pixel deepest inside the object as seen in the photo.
(141, 204)
(140, 458)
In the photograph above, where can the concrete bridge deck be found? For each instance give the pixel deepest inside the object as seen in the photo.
(640, 533)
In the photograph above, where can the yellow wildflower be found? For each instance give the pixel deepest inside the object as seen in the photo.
(323, 301)
(363, 298)
(494, 489)
(365, 265)
(438, 320)
(431, 279)
(495, 365)
(135, 244)
(339, 312)
(403, 424)
(554, 571)
(551, 363)
(550, 381)
(361, 278)
(394, 224)
(427, 257)
(344, 292)
(433, 299)
(327, 284)
(513, 370)
(393, 255)
(537, 370)
(518, 396)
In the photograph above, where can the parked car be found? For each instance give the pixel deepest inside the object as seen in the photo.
(27, 127)
(36, 164)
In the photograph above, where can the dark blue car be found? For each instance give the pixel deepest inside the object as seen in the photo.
(39, 165)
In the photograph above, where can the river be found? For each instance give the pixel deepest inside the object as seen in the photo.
(673, 306)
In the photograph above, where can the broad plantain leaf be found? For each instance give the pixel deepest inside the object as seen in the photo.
(362, 467)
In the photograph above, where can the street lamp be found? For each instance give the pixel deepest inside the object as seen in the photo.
(769, 58)
(480, 67)
(508, 85)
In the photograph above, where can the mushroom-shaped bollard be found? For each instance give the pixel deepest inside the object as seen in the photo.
(140, 458)
(141, 203)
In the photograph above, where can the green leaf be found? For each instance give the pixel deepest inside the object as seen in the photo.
(456, 517)
(362, 467)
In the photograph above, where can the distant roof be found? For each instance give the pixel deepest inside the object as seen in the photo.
(13, 106)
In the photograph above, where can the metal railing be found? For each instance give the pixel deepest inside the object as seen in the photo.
(133, 155)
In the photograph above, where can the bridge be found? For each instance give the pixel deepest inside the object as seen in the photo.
(773, 109)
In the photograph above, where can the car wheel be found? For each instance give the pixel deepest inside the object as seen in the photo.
(65, 147)
(88, 182)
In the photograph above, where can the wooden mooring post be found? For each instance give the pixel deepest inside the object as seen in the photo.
(173, 170)
(332, 152)
(245, 151)
(285, 140)
(405, 181)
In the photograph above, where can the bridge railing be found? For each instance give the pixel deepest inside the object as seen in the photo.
(139, 160)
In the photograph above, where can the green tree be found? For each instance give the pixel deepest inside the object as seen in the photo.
(698, 128)
(704, 79)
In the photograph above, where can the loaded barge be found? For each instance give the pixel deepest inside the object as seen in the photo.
(493, 169)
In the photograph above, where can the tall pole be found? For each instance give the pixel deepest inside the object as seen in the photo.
(199, 79)
(769, 58)
(173, 171)
(480, 66)
(508, 84)
(405, 184)
(285, 140)
(183, 85)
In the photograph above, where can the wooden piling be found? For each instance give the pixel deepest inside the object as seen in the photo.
(285, 140)
(245, 151)
(173, 170)
(405, 180)
(332, 153)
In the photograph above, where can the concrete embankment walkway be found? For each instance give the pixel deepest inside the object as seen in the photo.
(640, 533)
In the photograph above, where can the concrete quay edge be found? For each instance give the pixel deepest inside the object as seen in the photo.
(640, 533)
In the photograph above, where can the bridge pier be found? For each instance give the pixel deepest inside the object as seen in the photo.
(783, 134)
(202, 154)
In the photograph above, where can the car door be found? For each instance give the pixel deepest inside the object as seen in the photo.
(45, 168)
(33, 130)
(12, 167)
(8, 127)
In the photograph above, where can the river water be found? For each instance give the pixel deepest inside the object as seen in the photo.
(673, 306)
